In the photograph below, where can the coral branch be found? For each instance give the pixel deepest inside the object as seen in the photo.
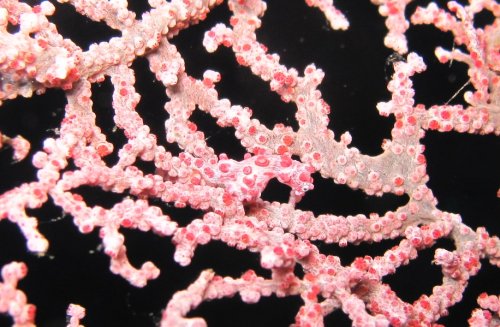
(158, 176)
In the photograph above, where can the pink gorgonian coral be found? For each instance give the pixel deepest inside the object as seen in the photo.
(159, 156)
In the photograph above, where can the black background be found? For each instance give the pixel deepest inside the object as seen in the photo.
(463, 169)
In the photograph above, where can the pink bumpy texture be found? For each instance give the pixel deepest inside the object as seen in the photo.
(228, 191)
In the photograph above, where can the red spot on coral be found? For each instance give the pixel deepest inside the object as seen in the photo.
(247, 170)
(227, 199)
(278, 251)
(126, 223)
(445, 114)
(262, 161)
(434, 124)
(287, 140)
(398, 181)
(224, 167)
(282, 149)
(245, 238)
(286, 161)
